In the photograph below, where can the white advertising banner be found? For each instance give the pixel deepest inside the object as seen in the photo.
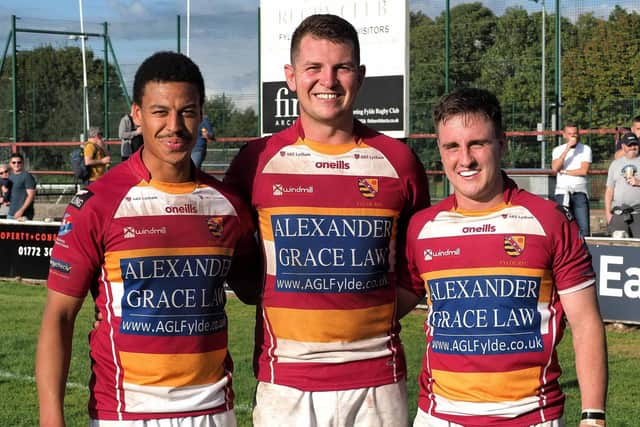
(383, 31)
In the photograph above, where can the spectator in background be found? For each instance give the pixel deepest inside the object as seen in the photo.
(635, 129)
(96, 154)
(571, 162)
(205, 136)
(130, 136)
(23, 190)
(623, 191)
(5, 190)
(5, 184)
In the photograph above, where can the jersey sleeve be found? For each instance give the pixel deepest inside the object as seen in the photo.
(246, 274)
(572, 268)
(241, 173)
(413, 282)
(587, 154)
(417, 190)
(77, 252)
(30, 182)
(610, 175)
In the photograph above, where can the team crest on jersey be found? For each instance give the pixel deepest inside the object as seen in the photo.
(368, 187)
(514, 245)
(215, 226)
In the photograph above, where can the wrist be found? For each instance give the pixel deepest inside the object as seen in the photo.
(593, 417)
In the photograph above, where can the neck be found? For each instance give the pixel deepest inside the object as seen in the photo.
(169, 172)
(328, 133)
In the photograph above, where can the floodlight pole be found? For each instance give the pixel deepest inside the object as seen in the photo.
(446, 47)
(14, 69)
(85, 88)
(543, 108)
(558, 71)
(188, 24)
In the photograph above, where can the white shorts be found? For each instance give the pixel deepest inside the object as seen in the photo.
(425, 420)
(382, 406)
(222, 419)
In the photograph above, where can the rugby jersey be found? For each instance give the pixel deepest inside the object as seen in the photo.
(332, 221)
(154, 256)
(492, 281)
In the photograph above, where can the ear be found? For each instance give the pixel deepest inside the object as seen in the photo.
(361, 72)
(136, 114)
(502, 140)
(290, 75)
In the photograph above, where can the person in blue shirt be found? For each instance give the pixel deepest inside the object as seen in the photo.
(23, 191)
(205, 135)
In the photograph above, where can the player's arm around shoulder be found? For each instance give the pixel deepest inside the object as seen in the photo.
(246, 273)
(242, 171)
(411, 289)
(53, 355)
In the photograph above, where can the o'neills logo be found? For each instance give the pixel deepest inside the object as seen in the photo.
(484, 228)
(186, 209)
(340, 164)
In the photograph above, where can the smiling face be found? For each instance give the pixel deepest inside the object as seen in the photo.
(326, 79)
(169, 115)
(471, 153)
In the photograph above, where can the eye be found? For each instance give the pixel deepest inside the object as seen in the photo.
(452, 146)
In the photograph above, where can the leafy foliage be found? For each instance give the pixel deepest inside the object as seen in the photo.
(600, 81)
(600, 70)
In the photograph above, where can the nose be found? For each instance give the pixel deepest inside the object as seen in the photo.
(465, 158)
(328, 77)
(174, 121)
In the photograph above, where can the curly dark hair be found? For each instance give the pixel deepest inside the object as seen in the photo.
(167, 67)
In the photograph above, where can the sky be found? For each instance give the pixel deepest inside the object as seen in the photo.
(223, 33)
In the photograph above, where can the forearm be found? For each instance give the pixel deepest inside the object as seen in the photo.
(556, 164)
(53, 355)
(608, 202)
(589, 345)
(582, 171)
(31, 194)
(52, 367)
(406, 301)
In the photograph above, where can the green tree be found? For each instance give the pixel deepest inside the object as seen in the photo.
(229, 120)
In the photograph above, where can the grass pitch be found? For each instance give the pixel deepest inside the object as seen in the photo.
(21, 309)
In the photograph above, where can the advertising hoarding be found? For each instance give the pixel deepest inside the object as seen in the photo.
(383, 31)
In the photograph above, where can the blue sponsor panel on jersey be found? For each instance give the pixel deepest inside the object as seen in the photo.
(331, 253)
(174, 295)
(481, 315)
